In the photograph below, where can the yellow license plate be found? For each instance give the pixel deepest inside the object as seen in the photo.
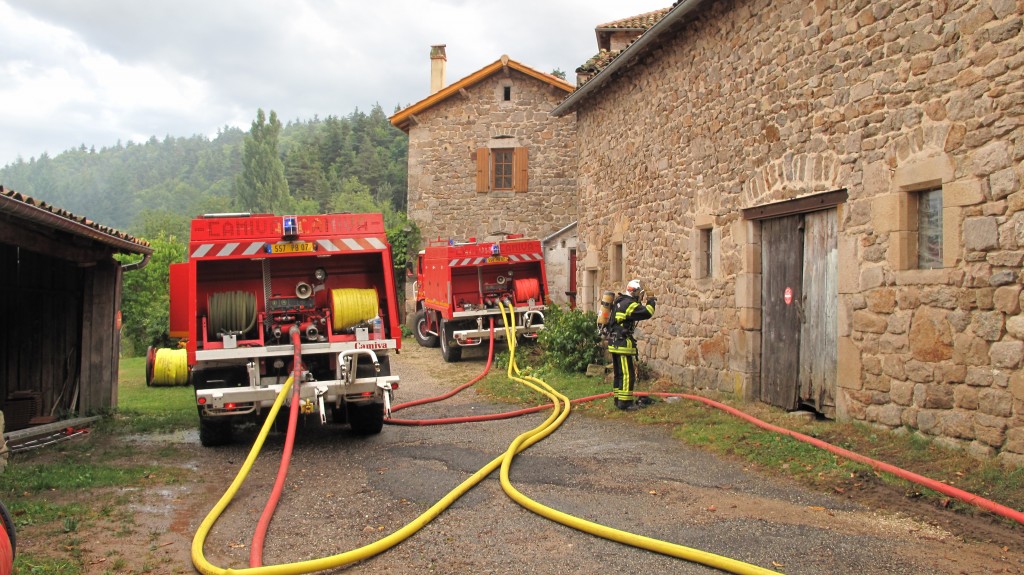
(497, 259)
(292, 248)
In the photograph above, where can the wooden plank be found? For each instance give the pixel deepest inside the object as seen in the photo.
(781, 270)
(818, 336)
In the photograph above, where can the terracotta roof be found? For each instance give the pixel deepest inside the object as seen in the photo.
(598, 61)
(638, 22)
(608, 66)
(38, 211)
(403, 118)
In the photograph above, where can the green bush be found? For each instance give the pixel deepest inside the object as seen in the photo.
(570, 339)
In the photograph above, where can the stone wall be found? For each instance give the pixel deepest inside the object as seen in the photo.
(754, 102)
(443, 199)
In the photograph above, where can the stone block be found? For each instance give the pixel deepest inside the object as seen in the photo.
(1006, 354)
(901, 392)
(902, 254)
(962, 193)
(877, 178)
(938, 396)
(750, 318)
(965, 397)
(871, 277)
(980, 234)
(848, 365)
(988, 325)
(1001, 184)
(890, 213)
(866, 321)
(952, 238)
(924, 172)
(849, 278)
(997, 402)
(958, 424)
(751, 258)
(1007, 299)
(748, 290)
(889, 415)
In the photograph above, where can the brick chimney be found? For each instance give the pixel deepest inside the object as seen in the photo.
(438, 62)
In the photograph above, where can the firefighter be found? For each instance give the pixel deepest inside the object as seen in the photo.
(627, 309)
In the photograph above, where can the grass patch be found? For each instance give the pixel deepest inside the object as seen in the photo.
(144, 409)
(33, 478)
(26, 564)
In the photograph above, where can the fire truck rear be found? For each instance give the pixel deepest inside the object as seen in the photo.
(261, 293)
(459, 287)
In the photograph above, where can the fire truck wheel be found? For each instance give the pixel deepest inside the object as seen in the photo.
(450, 351)
(366, 419)
(423, 337)
(9, 531)
(214, 431)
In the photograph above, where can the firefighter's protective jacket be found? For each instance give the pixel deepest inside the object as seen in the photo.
(626, 312)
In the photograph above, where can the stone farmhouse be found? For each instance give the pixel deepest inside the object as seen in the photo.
(825, 196)
(487, 158)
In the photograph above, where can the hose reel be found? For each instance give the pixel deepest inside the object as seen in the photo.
(232, 312)
(351, 307)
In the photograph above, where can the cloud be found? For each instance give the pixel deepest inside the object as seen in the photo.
(104, 71)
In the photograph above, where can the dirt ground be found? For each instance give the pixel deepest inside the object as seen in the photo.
(344, 492)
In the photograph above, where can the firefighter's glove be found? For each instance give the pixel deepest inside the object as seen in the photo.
(652, 301)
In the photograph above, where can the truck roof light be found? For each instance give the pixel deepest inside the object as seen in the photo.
(290, 225)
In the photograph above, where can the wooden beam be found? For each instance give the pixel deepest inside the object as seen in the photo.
(35, 241)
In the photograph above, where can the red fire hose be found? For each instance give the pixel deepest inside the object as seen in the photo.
(945, 489)
(258, 538)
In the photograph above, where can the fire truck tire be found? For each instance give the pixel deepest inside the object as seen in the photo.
(366, 419)
(450, 351)
(419, 330)
(9, 531)
(214, 432)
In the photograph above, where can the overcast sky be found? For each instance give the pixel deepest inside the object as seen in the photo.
(96, 72)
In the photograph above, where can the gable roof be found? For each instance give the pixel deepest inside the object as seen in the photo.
(27, 208)
(627, 57)
(404, 118)
(639, 23)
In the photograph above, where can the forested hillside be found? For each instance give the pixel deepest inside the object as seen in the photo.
(355, 163)
(324, 161)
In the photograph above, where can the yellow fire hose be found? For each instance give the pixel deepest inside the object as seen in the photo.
(504, 461)
(562, 405)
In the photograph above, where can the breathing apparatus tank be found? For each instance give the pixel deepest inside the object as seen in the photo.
(606, 308)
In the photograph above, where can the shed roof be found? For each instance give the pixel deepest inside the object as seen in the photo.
(27, 208)
(404, 118)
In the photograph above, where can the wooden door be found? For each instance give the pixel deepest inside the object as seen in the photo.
(781, 294)
(572, 279)
(818, 333)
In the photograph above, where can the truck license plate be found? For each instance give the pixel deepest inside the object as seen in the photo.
(497, 259)
(291, 248)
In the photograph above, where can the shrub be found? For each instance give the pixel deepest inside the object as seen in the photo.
(570, 339)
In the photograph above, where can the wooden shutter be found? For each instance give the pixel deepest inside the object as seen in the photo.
(519, 172)
(483, 169)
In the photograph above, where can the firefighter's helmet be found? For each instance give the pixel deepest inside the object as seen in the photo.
(635, 289)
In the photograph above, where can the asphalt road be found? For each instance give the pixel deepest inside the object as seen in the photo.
(344, 492)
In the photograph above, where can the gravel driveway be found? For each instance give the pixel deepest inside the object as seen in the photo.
(345, 491)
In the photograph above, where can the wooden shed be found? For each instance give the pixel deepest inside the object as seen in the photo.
(60, 297)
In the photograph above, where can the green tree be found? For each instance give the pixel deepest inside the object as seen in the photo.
(145, 300)
(262, 187)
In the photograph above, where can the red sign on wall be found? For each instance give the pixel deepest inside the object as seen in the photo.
(787, 296)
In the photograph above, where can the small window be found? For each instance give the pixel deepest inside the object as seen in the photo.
(705, 250)
(506, 93)
(929, 229)
(502, 169)
(618, 262)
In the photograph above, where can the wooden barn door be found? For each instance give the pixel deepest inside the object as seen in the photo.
(818, 337)
(799, 302)
(781, 290)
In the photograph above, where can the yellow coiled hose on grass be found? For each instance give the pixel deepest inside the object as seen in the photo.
(170, 367)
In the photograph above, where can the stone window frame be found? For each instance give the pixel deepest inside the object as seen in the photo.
(499, 93)
(896, 212)
(706, 248)
(617, 261)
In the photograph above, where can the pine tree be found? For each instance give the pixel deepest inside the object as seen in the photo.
(262, 187)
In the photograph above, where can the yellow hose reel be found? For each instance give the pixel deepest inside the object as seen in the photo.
(350, 307)
(166, 367)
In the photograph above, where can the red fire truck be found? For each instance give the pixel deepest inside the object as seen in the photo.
(459, 284)
(259, 292)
